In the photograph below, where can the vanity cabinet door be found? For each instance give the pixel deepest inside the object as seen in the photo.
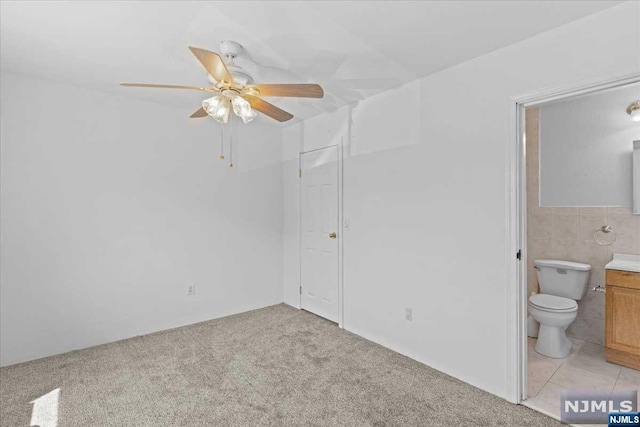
(623, 325)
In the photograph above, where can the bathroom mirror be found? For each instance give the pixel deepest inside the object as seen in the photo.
(586, 150)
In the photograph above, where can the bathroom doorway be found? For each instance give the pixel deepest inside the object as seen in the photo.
(573, 215)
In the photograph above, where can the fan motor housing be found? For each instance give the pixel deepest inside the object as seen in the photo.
(240, 77)
(231, 50)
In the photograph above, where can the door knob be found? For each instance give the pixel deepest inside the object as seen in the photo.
(333, 235)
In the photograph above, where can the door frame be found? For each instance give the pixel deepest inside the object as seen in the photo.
(340, 228)
(516, 211)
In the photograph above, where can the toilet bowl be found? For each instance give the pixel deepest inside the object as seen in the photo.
(554, 314)
(561, 284)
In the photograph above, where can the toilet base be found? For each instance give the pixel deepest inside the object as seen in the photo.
(533, 327)
(552, 342)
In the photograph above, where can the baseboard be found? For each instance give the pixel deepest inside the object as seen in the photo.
(623, 358)
(146, 333)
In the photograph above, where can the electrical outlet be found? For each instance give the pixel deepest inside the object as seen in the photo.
(191, 289)
(408, 314)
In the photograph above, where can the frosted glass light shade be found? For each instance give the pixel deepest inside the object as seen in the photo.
(243, 109)
(217, 107)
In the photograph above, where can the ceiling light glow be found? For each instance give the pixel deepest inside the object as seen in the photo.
(217, 107)
(243, 109)
(634, 111)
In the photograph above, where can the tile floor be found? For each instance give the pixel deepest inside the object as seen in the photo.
(584, 368)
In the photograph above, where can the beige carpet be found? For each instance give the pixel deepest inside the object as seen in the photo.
(276, 366)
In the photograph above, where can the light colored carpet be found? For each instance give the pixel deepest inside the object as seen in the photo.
(276, 366)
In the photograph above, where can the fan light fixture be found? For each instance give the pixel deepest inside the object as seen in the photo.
(243, 109)
(634, 111)
(219, 107)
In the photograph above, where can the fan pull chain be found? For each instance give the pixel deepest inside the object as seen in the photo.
(231, 145)
(221, 143)
(231, 151)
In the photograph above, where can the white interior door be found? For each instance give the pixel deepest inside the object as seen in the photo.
(319, 232)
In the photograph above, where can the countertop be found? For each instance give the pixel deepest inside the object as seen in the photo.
(624, 262)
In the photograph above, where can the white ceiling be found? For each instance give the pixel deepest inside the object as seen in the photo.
(353, 49)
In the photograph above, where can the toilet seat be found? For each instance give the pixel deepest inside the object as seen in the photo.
(552, 303)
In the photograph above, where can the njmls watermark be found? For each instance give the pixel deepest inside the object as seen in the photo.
(593, 407)
(624, 419)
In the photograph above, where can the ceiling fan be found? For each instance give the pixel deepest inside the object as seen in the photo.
(233, 88)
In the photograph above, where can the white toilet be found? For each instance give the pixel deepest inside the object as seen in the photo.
(555, 308)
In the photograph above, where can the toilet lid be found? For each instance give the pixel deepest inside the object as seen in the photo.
(552, 302)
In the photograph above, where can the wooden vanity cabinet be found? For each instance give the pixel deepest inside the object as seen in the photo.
(622, 318)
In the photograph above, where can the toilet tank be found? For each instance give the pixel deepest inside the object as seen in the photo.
(562, 278)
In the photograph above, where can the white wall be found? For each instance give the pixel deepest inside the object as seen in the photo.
(425, 191)
(292, 138)
(111, 205)
(586, 147)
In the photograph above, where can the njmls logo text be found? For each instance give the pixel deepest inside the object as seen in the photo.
(601, 406)
(626, 419)
(592, 407)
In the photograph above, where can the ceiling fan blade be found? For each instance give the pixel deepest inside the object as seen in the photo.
(199, 113)
(204, 89)
(268, 109)
(289, 90)
(213, 64)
